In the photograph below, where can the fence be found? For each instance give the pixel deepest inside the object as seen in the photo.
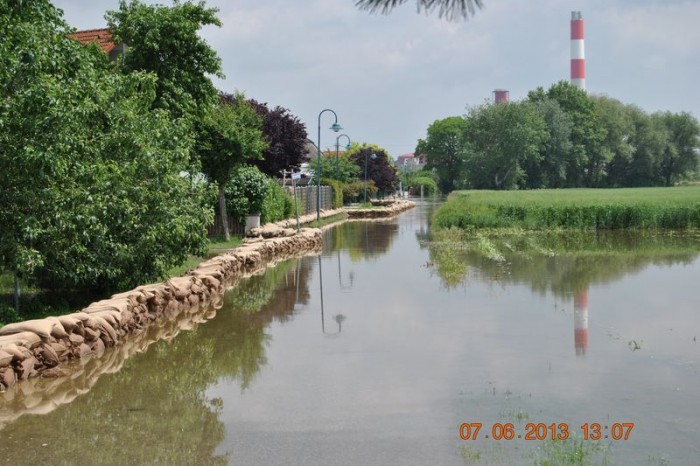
(306, 199)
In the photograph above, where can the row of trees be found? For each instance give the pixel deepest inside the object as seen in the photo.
(347, 173)
(109, 172)
(558, 138)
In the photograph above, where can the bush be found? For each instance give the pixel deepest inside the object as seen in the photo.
(429, 185)
(245, 192)
(337, 189)
(277, 204)
(355, 192)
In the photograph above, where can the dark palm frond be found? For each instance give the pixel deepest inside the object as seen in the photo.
(449, 9)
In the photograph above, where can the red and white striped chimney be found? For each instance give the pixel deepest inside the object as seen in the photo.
(581, 322)
(578, 62)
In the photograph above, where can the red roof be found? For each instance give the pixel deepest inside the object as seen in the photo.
(101, 36)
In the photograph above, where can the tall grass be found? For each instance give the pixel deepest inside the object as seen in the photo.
(588, 209)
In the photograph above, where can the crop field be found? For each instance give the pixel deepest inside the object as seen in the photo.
(587, 209)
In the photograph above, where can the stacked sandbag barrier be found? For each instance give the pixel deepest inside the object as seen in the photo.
(34, 347)
(382, 209)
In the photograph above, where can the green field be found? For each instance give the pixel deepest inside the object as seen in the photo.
(587, 209)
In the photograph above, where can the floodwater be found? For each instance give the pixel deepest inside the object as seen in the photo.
(377, 351)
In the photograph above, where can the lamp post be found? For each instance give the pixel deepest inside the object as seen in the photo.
(373, 156)
(335, 127)
(337, 146)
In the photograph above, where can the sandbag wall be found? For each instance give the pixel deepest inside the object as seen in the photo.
(35, 347)
(387, 208)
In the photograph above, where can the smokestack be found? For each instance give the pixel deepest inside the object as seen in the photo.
(578, 62)
(501, 96)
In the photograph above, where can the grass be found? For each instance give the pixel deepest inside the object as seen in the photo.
(326, 221)
(216, 246)
(585, 209)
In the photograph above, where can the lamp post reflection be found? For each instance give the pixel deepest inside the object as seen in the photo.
(339, 318)
(351, 276)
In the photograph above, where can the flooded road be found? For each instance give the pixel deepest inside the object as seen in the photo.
(377, 351)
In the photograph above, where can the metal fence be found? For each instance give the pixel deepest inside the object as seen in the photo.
(306, 199)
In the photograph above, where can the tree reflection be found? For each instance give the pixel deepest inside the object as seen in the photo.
(563, 264)
(154, 408)
(363, 239)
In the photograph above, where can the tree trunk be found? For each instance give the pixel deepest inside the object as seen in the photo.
(222, 213)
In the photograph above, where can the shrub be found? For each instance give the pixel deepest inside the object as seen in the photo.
(355, 192)
(429, 185)
(337, 189)
(245, 192)
(277, 203)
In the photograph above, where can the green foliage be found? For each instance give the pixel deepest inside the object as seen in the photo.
(639, 208)
(95, 196)
(277, 205)
(376, 165)
(413, 180)
(504, 140)
(561, 137)
(343, 170)
(560, 262)
(164, 41)
(428, 185)
(355, 192)
(245, 192)
(447, 152)
(227, 136)
(337, 189)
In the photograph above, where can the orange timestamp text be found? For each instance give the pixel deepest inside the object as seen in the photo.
(543, 431)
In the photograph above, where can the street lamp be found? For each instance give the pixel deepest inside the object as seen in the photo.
(335, 127)
(337, 146)
(373, 156)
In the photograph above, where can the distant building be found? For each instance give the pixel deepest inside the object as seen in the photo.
(410, 162)
(101, 37)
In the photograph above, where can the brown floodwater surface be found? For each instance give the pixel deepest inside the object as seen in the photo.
(379, 349)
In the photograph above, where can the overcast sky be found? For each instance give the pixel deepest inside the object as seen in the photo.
(388, 77)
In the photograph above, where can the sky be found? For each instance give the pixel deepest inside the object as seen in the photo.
(388, 77)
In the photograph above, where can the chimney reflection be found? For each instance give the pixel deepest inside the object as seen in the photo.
(581, 322)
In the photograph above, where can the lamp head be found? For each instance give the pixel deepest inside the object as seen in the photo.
(336, 127)
(349, 146)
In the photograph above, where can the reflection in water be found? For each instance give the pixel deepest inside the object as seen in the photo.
(339, 318)
(151, 408)
(260, 385)
(563, 264)
(581, 323)
(362, 239)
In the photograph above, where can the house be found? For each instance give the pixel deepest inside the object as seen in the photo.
(101, 37)
(410, 162)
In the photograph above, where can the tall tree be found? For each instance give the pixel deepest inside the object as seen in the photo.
(504, 139)
(165, 41)
(286, 140)
(450, 9)
(617, 119)
(681, 152)
(375, 161)
(587, 164)
(446, 151)
(91, 188)
(227, 137)
(551, 170)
